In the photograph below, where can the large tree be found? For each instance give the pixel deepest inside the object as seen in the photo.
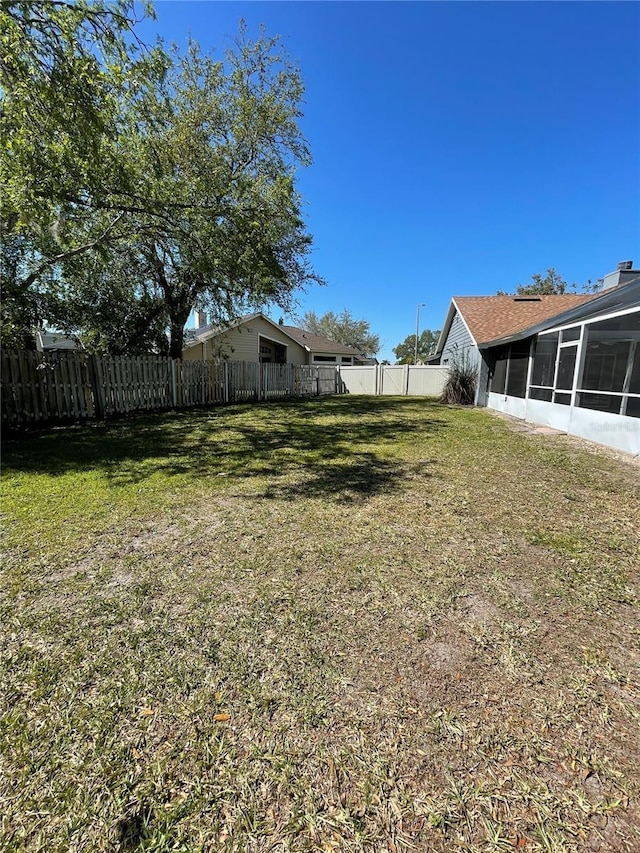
(343, 328)
(185, 174)
(66, 70)
(405, 351)
(218, 146)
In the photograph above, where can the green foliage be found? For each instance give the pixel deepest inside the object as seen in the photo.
(68, 70)
(548, 285)
(113, 305)
(180, 168)
(427, 342)
(460, 387)
(343, 328)
(218, 144)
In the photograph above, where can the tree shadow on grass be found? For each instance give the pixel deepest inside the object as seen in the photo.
(335, 445)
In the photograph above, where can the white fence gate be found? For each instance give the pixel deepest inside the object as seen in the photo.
(413, 380)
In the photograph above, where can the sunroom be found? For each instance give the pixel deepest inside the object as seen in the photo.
(581, 375)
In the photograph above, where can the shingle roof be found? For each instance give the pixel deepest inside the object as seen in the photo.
(317, 343)
(491, 317)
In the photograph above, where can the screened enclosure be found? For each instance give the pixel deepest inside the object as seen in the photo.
(593, 365)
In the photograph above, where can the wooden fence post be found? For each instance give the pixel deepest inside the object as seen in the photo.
(87, 387)
(174, 382)
(96, 386)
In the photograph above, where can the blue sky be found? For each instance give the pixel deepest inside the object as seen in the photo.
(458, 147)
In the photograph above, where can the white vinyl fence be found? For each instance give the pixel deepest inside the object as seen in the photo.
(419, 380)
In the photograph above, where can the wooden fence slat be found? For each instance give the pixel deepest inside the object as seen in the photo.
(9, 408)
(34, 385)
(78, 386)
(59, 386)
(66, 386)
(21, 387)
(41, 373)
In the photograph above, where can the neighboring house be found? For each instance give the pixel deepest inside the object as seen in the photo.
(323, 351)
(47, 341)
(257, 338)
(569, 362)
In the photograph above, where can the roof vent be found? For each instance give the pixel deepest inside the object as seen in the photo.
(527, 299)
(625, 265)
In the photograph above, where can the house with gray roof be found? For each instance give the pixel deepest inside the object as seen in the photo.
(257, 338)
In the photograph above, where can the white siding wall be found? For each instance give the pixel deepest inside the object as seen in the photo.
(242, 344)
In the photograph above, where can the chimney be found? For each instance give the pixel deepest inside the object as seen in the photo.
(623, 273)
(200, 320)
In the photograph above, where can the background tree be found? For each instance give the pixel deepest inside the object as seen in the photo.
(185, 173)
(543, 285)
(344, 329)
(66, 70)
(218, 145)
(427, 342)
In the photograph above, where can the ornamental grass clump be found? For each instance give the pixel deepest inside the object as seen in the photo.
(460, 387)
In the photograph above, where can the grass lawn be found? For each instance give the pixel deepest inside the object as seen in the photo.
(345, 624)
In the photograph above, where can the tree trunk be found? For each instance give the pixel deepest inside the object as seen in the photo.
(177, 322)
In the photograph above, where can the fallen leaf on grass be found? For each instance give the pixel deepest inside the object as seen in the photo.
(147, 712)
(221, 718)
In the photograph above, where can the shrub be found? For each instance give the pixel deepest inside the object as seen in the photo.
(460, 387)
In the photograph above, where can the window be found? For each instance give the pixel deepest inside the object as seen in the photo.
(566, 368)
(518, 367)
(323, 358)
(572, 334)
(634, 378)
(611, 365)
(605, 365)
(346, 359)
(562, 398)
(499, 378)
(544, 360)
(545, 394)
(600, 402)
(633, 407)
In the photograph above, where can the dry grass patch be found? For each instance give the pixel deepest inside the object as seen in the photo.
(348, 624)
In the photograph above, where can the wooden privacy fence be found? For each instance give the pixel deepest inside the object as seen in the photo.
(70, 386)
